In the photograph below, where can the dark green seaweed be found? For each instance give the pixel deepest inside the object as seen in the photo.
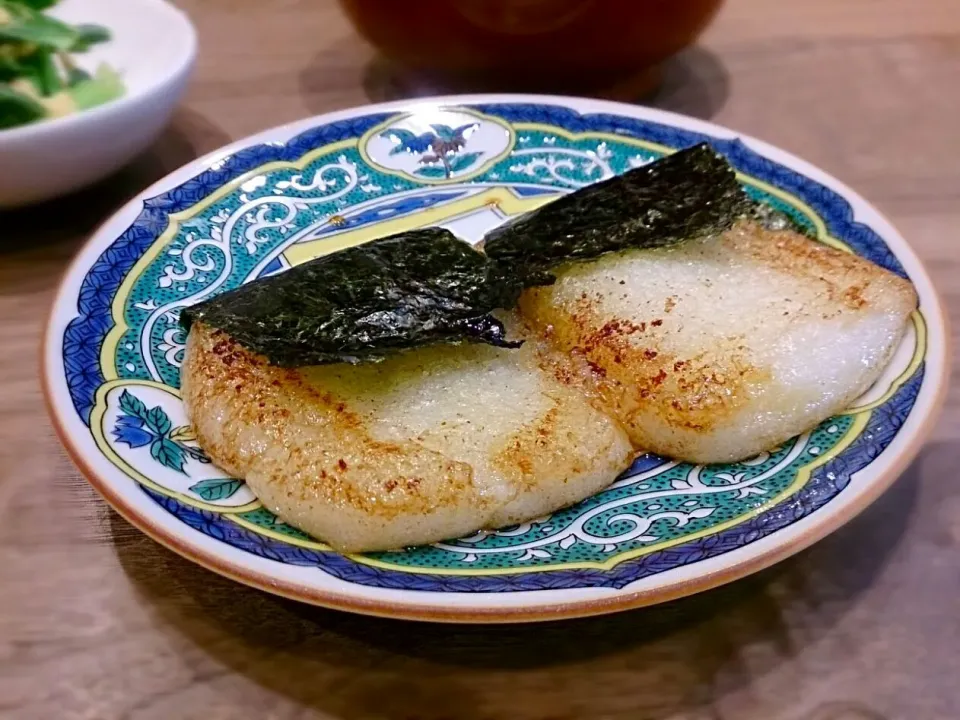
(689, 194)
(426, 286)
(407, 290)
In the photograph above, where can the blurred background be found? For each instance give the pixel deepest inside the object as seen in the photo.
(837, 83)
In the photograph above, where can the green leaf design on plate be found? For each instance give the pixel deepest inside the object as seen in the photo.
(461, 162)
(434, 172)
(266, 519)
(402, 139)
(169, 454)
(183, 434)
(217, 488)
(132, 405)
(158, 421)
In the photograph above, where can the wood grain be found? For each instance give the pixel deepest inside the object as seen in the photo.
(98, 622)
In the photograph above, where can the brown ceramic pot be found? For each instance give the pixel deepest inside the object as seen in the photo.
(531, 43)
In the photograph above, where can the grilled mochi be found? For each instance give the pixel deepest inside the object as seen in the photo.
(716, 349)
(429, 444)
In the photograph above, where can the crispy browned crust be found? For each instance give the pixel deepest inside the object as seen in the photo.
(309, 455)
(303, 439)
(844, 280)
(637, 379)
(290, 419)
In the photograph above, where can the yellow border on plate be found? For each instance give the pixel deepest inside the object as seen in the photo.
(112, 340)
(109, 349)
(919, 352)
(501, 197)
(511, 204)
(862, 412)
(803, 475)
(96, 427)
(821, 228)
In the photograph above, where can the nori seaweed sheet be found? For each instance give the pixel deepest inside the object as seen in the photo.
(403, 291)
(426, 286)
(689, 194)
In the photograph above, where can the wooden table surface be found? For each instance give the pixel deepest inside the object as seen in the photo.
(98, 622)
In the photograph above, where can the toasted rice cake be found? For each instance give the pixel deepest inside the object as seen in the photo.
(427, 445)
(715, 350)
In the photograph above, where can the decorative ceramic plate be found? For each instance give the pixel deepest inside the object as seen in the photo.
(664, 529)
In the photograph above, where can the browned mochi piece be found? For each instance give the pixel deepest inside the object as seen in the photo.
(427, 445)
(717, 349)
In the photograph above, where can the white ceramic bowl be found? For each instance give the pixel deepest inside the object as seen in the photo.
(153, 47)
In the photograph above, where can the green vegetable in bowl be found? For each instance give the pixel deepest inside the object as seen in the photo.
(38, 77)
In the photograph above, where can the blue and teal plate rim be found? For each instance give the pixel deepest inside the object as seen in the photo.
(663, 530)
